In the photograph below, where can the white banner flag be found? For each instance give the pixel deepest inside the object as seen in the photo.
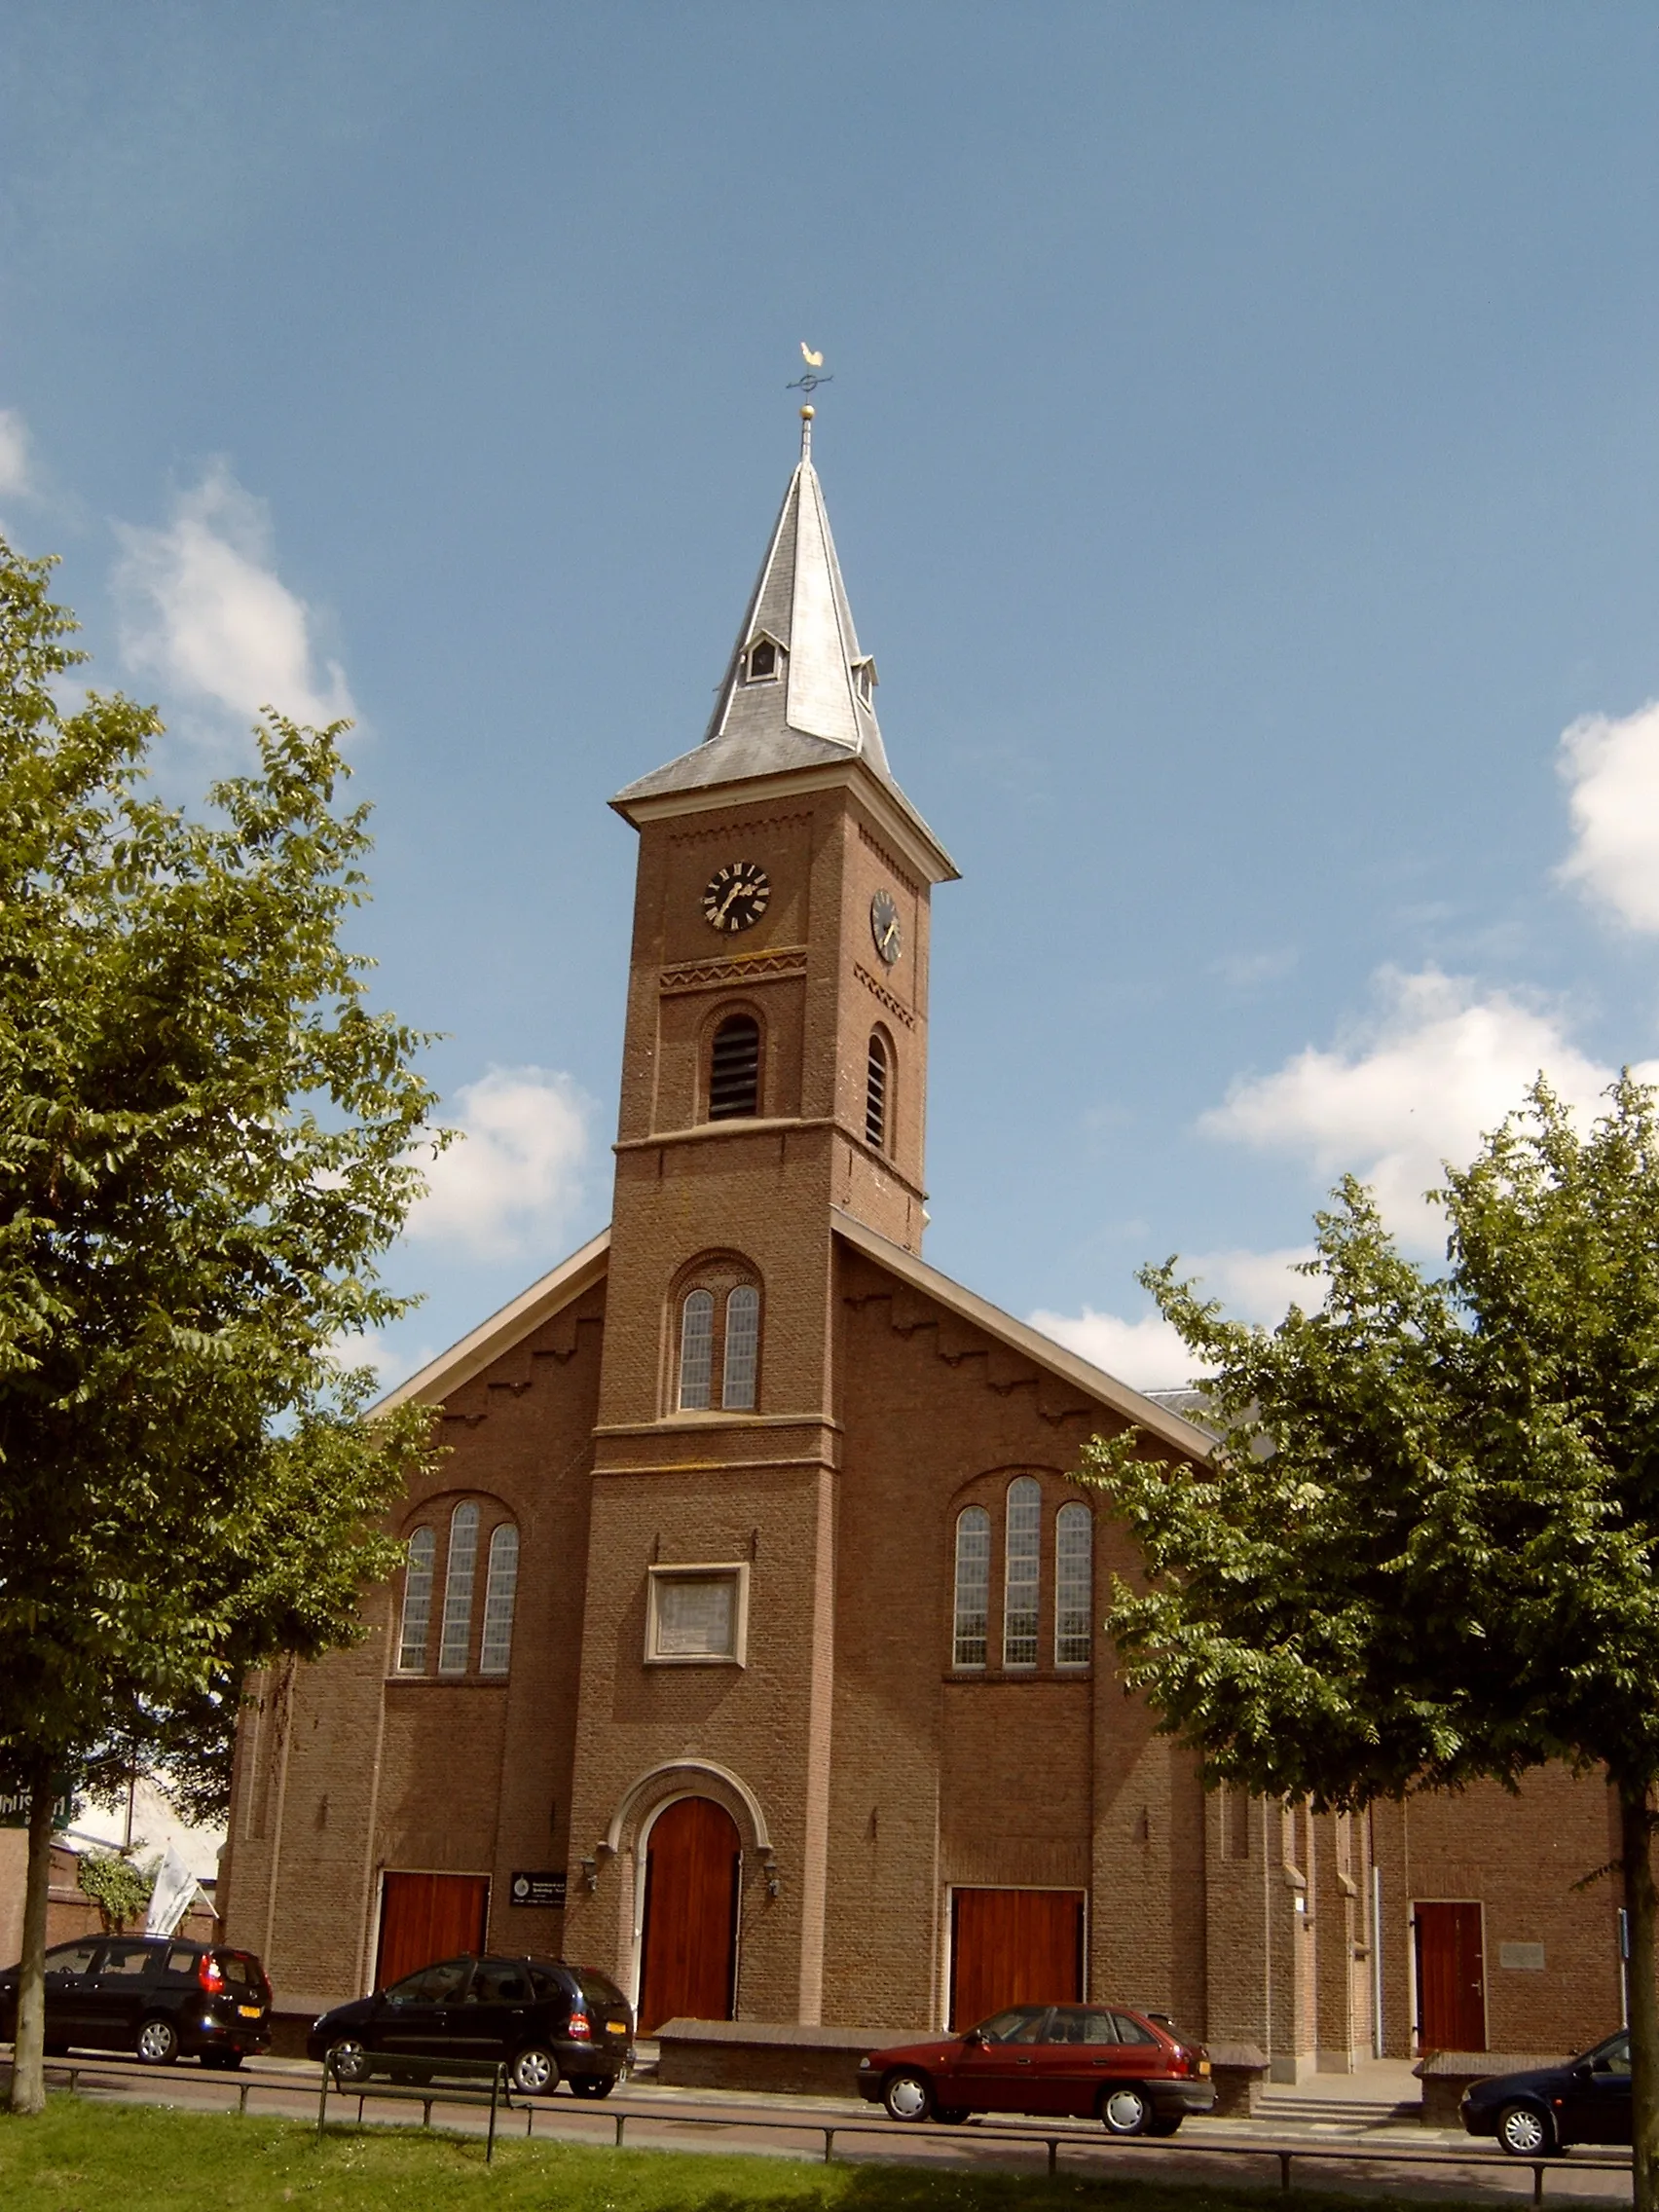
(169, 1900)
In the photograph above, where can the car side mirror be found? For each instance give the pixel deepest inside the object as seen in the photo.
(1603, 2066)
(974, 2035)
(1582, 2072)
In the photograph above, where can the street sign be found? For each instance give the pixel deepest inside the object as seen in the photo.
(14, 1802)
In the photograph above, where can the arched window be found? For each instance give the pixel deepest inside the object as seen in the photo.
(1074, 1585)
(742, 1348)
(696, 1351)
(416, 1602)
(973, 1586)
(876, 1092)
(734, 1069)
(499, 1592)
(457, 1643)
(1022, 1560)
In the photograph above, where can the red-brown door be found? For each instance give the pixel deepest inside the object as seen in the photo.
(429, 1916)
(1014, 1947)
(689, 1969)
(1450, 1977)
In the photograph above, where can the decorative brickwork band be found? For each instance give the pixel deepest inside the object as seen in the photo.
(893, 1007)
(741, 968)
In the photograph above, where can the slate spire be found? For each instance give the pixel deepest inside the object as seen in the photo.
(797, 690)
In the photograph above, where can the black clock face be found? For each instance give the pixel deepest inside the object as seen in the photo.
(884, 927)
(737, 897)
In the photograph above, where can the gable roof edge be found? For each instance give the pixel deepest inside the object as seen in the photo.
(1145, 1412)
(515, 1321)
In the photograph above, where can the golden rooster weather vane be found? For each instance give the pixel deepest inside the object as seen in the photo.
(810, 381)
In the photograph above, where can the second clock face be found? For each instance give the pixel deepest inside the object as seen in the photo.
(884, 927)
(737, 897)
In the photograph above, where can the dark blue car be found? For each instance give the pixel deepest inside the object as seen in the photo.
(1536, 2114)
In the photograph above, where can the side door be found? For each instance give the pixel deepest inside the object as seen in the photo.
(1076, 2055)
(121, 1993)
(69, 1971)
(1599, 2110)
(999, 2072)
(413, 2016)
(492, 2021)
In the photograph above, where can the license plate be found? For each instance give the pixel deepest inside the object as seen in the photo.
(250, 2012)
(616, 2028)
(1204, 2065)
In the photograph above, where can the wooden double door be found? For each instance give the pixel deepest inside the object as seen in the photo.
(688, 1934)
(1014, 1947)
(426, 1917)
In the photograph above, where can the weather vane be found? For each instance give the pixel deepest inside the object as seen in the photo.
(810, 381)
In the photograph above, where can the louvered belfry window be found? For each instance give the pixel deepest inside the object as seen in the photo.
(875, 1094)
(734, 1069)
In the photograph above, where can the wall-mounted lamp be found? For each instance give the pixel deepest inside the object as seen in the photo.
(769, 1867)
(590, 1875)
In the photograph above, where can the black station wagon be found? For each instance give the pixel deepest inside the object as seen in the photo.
(158, 1996)
(543, 2019)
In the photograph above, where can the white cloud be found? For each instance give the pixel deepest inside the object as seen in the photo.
(1252, 1286)
(1612, 767)
(205, 614)
(16, 476)
(1146, 1354)
(1436, 1067)
(507, 1185)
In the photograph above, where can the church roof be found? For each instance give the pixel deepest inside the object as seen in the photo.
(816, 704)
(493, 1339)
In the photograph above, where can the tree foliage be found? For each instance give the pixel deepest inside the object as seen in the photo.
(118, 1889)
(205, 1139)
(1423, 1549)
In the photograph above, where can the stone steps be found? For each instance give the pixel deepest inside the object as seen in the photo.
(1286, 2107)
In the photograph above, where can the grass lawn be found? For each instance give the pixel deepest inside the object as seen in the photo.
(90, 2157)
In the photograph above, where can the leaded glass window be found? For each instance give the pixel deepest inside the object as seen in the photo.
(973, 1586)
(1021, 1566)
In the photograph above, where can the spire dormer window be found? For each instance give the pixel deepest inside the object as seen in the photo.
(764, 661)
(865, 680)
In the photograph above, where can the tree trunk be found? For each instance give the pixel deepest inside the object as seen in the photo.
(1635, 1845)
(28, 2051)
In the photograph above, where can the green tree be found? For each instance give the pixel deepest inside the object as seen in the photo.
(205, 1142)
(1423, 1550)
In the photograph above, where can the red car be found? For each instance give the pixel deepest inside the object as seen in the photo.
(1082, 2061)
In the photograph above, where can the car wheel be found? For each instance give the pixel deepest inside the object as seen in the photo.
(227, 2061)
(1525, 2131)
(592, 2085)
(157, 2042)
(953, 2116)
(347, 2061)
(535, 2072)
(908, 2096)
(1125, 2112)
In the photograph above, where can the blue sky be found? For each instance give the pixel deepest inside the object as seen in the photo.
(1243, 451)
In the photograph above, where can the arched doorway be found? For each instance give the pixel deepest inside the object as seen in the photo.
(688, 1941)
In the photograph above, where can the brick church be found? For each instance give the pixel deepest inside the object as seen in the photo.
(747, 1646)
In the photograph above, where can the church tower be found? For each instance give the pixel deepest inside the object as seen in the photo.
(774, 1076)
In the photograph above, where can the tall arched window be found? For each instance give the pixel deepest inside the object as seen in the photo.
(876, 1092)
(417, 1602)
(973, 1586)
(1074, 1585)
(1021, 1565)
(734, 1069)
(456, 1641)
(696, 1351)
(742, 1348)
(499, 1591)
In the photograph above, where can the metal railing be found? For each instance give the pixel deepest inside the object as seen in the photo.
(396, 2092)
(831, 2130)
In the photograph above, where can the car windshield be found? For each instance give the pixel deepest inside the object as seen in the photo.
(1021, 2023)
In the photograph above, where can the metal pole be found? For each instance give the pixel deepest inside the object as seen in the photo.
(495, 2094)
(1284, 2169)
(322, 2100)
